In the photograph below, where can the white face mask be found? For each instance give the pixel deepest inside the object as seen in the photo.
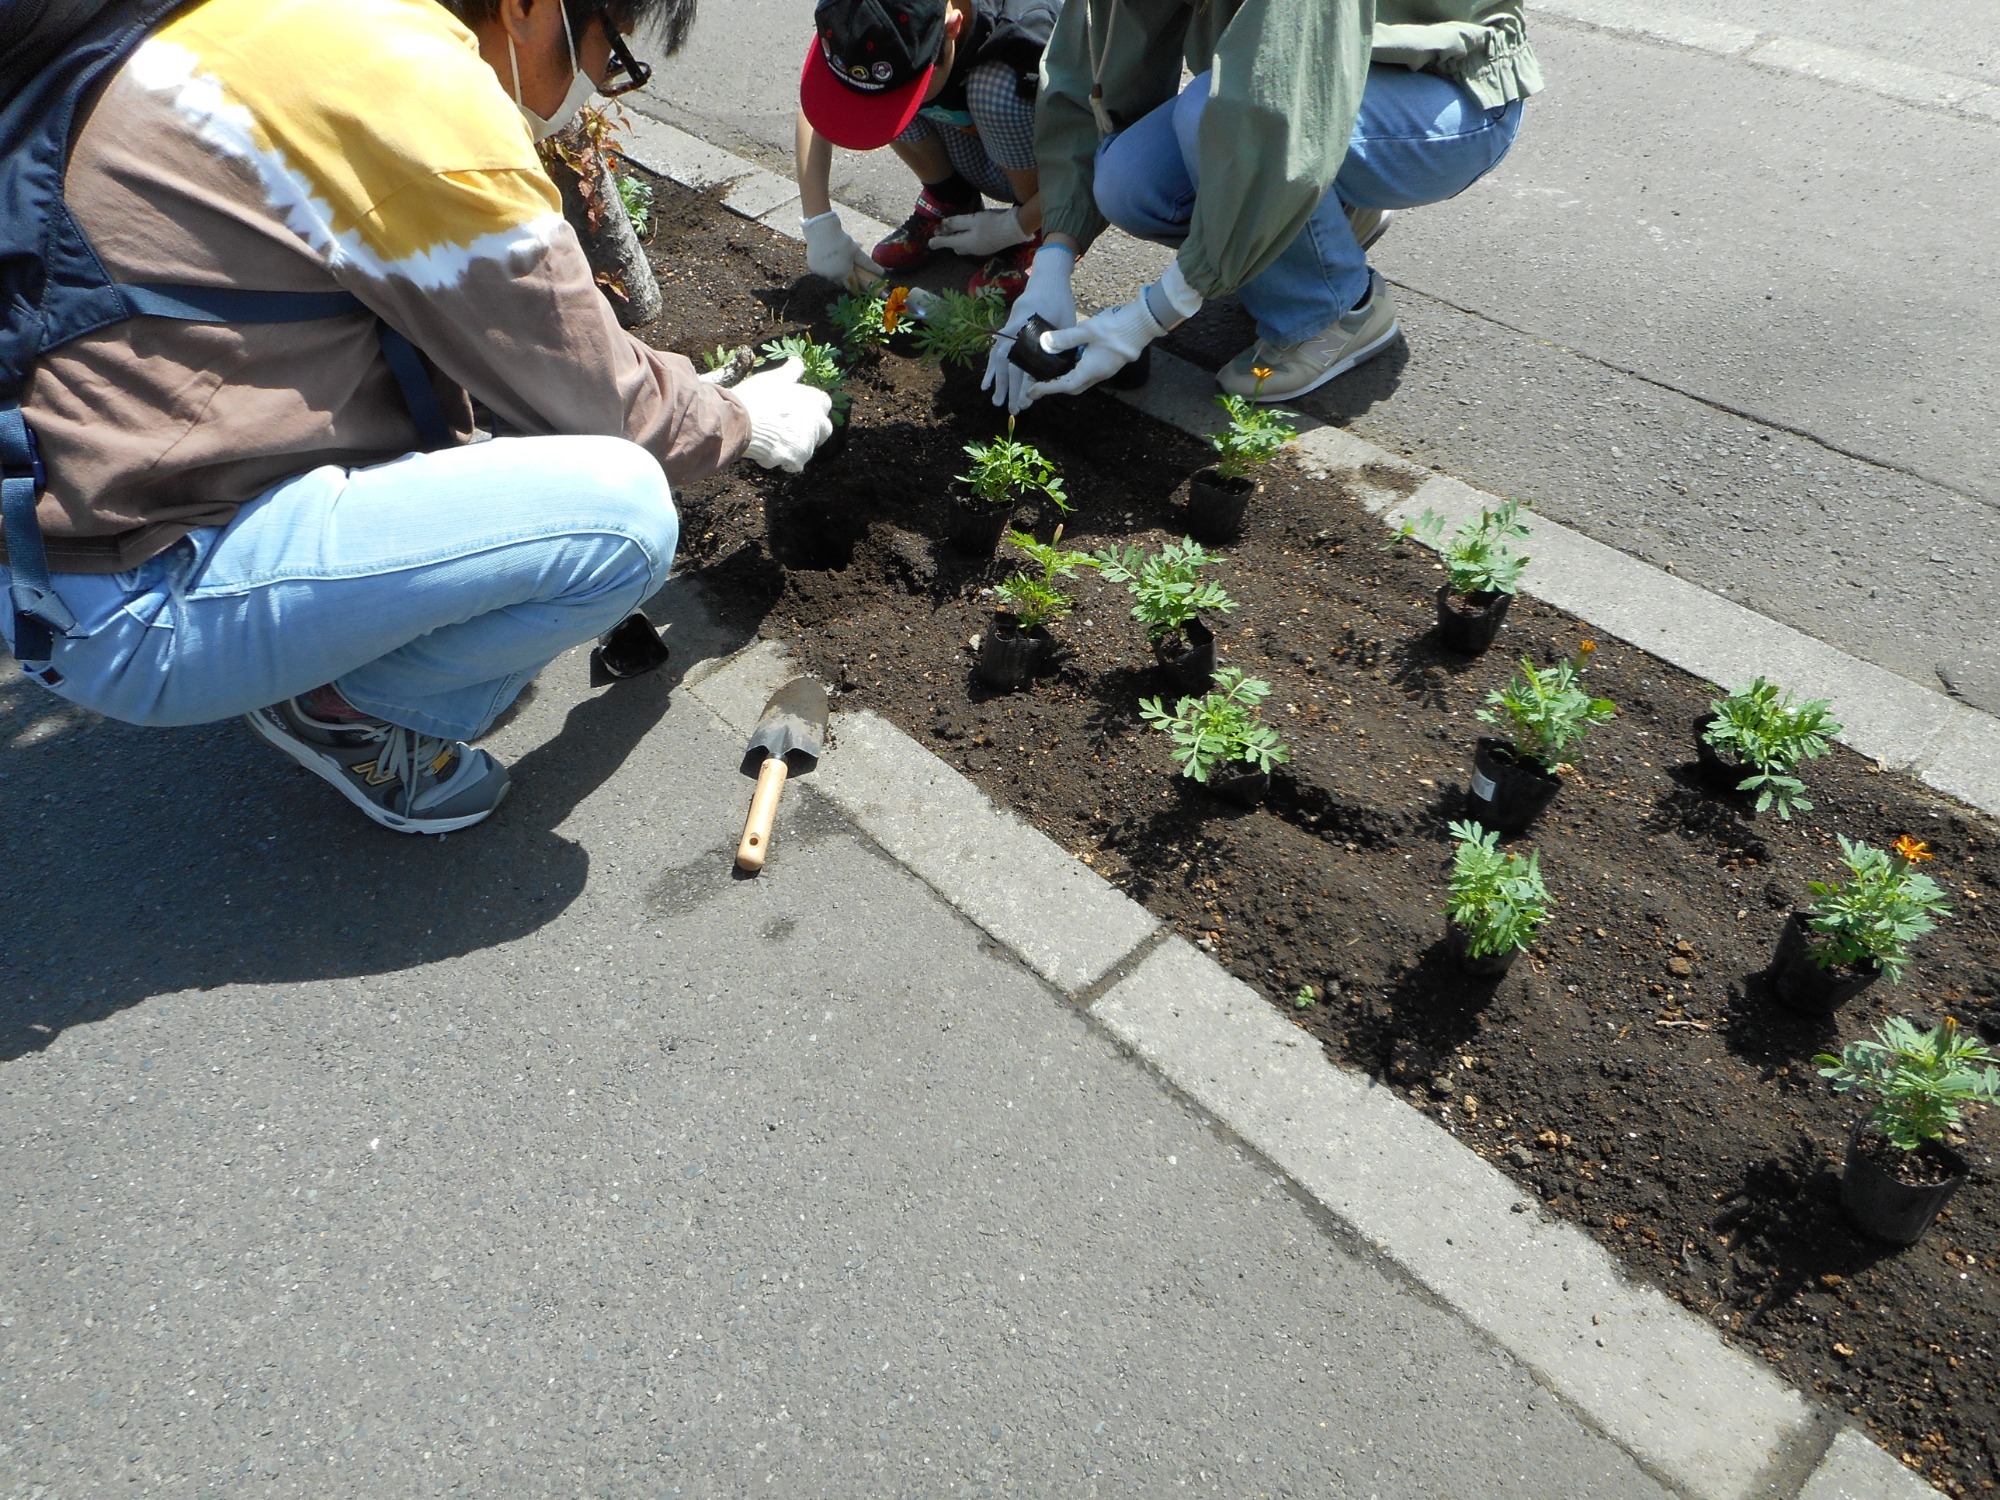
(580, 87)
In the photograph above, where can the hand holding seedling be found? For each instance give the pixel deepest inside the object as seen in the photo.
(1111, 340)
(831, 252)
(1047, 296)
(788, 419)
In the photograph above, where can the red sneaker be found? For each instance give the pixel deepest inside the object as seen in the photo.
(1006, 272)
(909, 245)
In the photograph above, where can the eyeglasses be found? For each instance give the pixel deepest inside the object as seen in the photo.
(626, 72)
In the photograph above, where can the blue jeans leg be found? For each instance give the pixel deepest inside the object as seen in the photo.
(430, 590)
(1420, 138)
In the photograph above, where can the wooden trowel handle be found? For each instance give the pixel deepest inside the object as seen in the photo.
(763, 813)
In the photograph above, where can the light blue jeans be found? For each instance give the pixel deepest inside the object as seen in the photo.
(429, 590)
(1418, 139)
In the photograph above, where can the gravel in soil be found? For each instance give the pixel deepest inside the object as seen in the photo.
(1632, 1071)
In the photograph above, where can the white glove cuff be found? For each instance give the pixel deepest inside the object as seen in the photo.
(1060, 259)
(806, 224)
(1170, 300)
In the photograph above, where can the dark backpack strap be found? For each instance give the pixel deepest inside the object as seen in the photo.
(38, 609)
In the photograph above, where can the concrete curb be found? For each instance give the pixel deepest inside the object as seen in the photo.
(1700, 1416)
(1654, 1378)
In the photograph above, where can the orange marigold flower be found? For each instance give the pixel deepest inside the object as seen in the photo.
(1912, 851)
(892, 310)
(1262, 372)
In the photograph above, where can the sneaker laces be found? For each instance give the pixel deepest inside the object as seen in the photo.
(406, 754)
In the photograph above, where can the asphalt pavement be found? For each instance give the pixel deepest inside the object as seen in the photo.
(549, 1158)
(1732, 317)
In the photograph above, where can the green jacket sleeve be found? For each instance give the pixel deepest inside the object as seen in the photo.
(1286, 86)
(1140, 44)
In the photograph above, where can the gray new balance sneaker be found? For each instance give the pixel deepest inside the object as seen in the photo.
(1294, 369)
(413, 783)
(1370, 224)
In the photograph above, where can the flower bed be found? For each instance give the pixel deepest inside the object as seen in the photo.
(1631, 1069)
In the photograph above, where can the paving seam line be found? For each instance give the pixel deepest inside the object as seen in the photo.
(1842, 67)
(1685, 1404)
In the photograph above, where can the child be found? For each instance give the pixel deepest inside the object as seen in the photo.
(950, 86)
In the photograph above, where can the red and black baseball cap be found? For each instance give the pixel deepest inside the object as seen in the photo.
(869, 67)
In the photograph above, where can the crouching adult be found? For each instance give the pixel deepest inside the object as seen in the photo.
(1305, 125)
(275, 505)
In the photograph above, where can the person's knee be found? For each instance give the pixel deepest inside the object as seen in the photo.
(1116, 189)
(632, 498)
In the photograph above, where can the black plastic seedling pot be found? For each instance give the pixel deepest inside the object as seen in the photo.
(975, 525)
(1486, 965)
(1508, 792)
(1240, 783)
(631, 648)
(1188, 654)
(1045, 364)
(1879, 1202)
(1215, 506)
(1009, 655)
(1469, 622)
(1028, 353)
(1719, 768)
(1805, 986)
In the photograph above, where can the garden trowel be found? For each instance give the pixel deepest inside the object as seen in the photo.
(793, 724)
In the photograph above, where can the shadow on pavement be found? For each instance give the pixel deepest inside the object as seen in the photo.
(151, 862)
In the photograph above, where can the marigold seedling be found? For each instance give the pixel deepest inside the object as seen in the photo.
(865, 319)
(1035, 598)
(823, 370)
(1167, 584)
(1923, 1081)
(1771, 734)
(1546, 709)
(1476, 557)
(1221, 729)
(1252, 438)
(958, 329)
(1874, 914)
(1004, 471)
(637, 196)
(1306, 998)
(1497, 899)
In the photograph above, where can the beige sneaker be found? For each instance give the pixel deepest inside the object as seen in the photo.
(1369, 224)
(1294, 369)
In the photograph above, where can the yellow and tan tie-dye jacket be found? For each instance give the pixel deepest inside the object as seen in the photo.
(307, 145)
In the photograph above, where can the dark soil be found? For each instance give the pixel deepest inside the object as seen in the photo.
(1631, 1071)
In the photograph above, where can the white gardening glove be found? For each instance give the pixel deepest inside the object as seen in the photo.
(832, 253)
(1113, 339)
(1048, 293)
(987, 232)
(788, 420)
